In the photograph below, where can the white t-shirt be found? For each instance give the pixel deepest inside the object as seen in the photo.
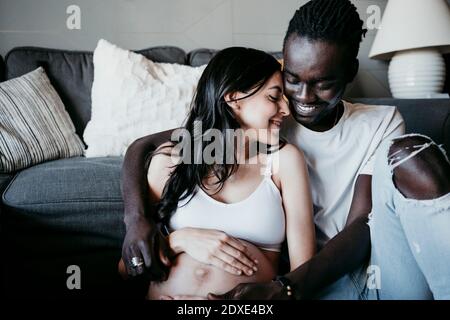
(336, 157)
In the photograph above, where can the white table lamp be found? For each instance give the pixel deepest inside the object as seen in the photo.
(415, 34)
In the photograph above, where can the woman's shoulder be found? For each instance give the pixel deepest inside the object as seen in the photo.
(163, 159)
(290, 157)
(290, 152)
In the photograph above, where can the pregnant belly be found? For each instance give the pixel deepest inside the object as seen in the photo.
(193, 278)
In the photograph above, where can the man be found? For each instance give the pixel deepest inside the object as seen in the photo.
(340, 141)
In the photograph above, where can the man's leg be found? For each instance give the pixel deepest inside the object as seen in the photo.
(348, 287)
(411, 200)
(421, 173)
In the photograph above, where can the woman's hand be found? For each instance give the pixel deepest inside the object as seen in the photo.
(215, 248)
(145, 241)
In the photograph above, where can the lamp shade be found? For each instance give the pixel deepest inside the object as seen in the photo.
(412, 24)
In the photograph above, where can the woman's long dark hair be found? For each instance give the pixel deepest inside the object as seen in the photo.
(231, 70)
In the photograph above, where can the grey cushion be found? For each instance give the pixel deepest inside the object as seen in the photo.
(35, 126)
(167, 54)
(426, 116)
(71, 73)
(78, 199)
(200, 57)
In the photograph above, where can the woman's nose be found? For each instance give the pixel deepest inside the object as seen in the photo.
(284, 109)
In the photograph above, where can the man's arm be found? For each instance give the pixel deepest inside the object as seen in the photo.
(362, 199)
(348, 250)
(135, 191)
(142, 239)
(345, 252)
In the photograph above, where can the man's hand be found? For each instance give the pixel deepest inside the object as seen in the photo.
(146, 242)
(254, 291)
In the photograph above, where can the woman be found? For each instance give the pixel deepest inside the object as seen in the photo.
(227, 220)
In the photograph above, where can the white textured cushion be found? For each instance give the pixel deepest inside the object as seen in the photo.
(34, 125)
(133, 97)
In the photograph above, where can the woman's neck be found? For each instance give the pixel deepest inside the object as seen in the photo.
(247, 150)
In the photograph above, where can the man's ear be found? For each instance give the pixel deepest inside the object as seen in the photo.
(352, 70)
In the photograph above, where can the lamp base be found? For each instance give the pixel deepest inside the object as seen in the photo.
(418, 73)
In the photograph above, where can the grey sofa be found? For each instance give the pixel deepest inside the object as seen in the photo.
(70, 211)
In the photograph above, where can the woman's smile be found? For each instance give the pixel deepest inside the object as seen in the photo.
(276, 122)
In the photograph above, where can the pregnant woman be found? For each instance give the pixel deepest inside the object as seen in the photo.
(227, 219)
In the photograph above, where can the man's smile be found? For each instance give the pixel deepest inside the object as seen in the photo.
(306, 110)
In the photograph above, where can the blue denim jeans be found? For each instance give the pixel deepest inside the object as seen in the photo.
(410, 256)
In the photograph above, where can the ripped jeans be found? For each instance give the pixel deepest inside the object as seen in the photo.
(410, 256)
(410, 238)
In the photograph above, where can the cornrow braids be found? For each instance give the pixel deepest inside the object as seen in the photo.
(336, 21)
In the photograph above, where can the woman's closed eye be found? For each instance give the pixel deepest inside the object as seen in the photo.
(275, 98)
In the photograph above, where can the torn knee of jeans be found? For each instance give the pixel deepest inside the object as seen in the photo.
(420, 167)
(406, 147)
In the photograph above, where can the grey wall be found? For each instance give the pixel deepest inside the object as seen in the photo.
(189, 24)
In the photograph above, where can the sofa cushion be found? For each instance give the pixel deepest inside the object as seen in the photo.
(34, 125)
(71, 73)
(133, 96)
(426, 116)
(199, 57)
(78, 199)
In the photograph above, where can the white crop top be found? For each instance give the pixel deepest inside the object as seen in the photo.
(258, 219)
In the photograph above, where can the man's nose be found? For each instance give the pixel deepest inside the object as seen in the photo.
(305, 94)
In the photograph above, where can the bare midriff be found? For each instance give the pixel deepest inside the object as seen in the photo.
(193, 278)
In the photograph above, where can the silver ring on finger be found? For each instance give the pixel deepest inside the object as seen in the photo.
(136, 262)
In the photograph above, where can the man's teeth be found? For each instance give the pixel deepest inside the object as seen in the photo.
(305, 108)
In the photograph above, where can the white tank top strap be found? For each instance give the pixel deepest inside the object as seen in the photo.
(268, 167)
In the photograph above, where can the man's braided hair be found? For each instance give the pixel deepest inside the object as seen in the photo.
(335, 21)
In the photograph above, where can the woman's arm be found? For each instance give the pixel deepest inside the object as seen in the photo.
(298, 206)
